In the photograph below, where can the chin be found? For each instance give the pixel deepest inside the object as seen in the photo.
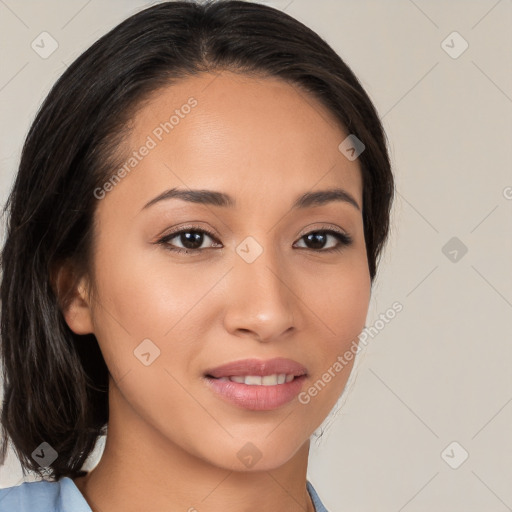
(251, 456)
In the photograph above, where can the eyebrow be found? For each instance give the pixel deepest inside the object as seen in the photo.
(213, 198)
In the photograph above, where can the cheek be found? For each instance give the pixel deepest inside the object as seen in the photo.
(145, 295)
(341, 306)
(349, 309)
(340, 296)
(149, 295)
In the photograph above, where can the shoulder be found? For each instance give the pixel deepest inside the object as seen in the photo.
(43, 496)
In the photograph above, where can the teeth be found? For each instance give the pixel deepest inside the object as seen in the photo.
(252, 380)
(269, 380)
(256, 380)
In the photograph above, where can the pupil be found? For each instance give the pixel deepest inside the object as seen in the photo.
(317, 239)
(194, 239)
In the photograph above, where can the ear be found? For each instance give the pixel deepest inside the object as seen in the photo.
(73, 297)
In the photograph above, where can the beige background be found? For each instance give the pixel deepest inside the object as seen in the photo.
(440, 371)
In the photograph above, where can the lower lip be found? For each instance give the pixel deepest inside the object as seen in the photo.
(257, 398)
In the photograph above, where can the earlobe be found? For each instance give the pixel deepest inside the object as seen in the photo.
(73, 299)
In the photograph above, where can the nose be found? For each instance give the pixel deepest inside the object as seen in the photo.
(262, 301)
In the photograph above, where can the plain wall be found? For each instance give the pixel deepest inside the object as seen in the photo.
(440, 371)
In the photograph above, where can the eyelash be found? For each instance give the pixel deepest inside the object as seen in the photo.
(343, 239)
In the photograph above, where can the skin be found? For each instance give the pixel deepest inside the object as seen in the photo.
(171, 442)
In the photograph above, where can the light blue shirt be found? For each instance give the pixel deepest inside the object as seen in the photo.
(64, 496)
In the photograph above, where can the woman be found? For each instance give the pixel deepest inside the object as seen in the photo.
(192, 237)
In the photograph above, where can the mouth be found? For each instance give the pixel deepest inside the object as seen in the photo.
(258, 380)
(257, 385)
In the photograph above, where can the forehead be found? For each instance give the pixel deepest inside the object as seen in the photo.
(240, 132)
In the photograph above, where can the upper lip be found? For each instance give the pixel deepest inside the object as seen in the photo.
(260, 367)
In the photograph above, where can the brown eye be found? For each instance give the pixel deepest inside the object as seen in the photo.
(190, 239)
(316, 240)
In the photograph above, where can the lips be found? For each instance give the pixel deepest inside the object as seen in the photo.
(257, 367)
(257, 385)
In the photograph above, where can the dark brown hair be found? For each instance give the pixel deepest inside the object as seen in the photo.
(56, 382)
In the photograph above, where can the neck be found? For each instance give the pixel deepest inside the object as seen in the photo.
(140, 469)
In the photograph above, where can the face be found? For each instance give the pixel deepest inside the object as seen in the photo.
(205, 303)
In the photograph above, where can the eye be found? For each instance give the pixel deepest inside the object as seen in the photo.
(316, 240)
(192, 239)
